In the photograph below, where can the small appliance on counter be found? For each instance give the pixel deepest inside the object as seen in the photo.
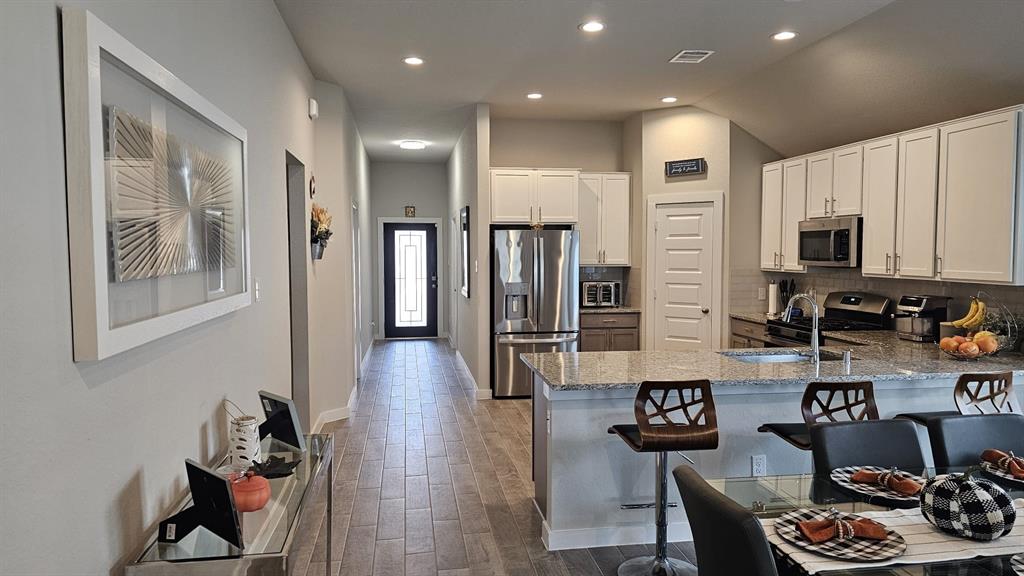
(600, 294)
(918, 317)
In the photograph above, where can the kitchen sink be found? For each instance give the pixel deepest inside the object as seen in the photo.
(769, 358)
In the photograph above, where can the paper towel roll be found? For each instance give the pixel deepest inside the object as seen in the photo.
(773, 299)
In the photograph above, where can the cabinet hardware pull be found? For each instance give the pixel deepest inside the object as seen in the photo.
(888, 259)
(775, 259)
(609, 321)
(540, 214)
(938, 264)
(531, 214)
(896, 268)
(826, 206)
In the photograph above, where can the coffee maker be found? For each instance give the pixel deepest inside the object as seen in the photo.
(918, 317)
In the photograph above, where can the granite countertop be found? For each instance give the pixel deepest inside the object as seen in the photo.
(609, 310)
(881, 357)
(756, 317)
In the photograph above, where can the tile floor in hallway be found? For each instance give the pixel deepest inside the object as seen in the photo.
(431, 480)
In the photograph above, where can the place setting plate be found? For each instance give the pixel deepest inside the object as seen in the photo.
(842, 478)
(853, 550)
(994, 470)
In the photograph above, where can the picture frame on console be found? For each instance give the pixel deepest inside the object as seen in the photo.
(158, 224)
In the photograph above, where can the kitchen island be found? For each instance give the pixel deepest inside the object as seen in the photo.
(582, 475)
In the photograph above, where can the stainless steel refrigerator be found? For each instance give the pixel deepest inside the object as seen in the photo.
(535, 299)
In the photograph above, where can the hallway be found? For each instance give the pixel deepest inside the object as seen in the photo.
(430, 480)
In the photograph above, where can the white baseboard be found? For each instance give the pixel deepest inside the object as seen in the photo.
(483, 394)
(610, 536)
(365, 359)
(337, 413)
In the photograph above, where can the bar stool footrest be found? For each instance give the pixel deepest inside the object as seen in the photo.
(646, 506)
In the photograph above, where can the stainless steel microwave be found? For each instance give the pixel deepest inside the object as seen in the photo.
(833, 242)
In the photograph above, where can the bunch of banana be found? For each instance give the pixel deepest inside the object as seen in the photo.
(974, 318)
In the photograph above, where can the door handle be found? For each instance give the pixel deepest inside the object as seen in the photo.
(705, 310)
(527, 341)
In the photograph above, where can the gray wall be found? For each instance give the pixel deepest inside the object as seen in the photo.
(587, 145)
(96, 451)
(396, 185)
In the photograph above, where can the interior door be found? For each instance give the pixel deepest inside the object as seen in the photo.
(771, 216)
(684, 277)
(410, 280)
(879, 238)
(918, 201)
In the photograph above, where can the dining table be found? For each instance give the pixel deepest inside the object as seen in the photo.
(929, 550)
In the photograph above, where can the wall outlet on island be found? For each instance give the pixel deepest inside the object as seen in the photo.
(758, 465)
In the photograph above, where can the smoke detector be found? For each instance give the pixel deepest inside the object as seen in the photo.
(691, 56)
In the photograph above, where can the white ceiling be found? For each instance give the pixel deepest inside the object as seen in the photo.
(497, 51)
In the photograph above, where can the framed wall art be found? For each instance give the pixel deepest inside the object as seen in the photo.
(157, 196)
(464, 242)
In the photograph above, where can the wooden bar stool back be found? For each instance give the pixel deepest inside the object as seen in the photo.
(985, 393)
(827, 402)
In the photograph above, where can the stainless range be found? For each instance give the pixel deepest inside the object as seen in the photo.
(844, 311)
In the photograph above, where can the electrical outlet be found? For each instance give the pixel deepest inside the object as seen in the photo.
(256, 289)
(762, 294)
(758, 465)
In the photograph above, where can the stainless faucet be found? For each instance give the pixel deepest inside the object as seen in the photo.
(788, 314)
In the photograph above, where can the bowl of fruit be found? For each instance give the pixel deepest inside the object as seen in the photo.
(983, 331)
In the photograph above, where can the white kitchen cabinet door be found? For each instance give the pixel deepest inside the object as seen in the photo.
(512, 194)
(557, 196)
(847, 181)
(978, 195)
(771, 216)
(917, 202)
(878, 247)
(590, 219)
(615, 219)
(794, 209)
(819, 186)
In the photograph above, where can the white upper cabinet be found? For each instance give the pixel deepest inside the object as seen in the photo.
(512, 196)
(879, 229)
(979, 203)
(917, 200)
(794, 210)
(534, 196)
(771, 216)
(819, 186)
(604, 219)
(847, 181)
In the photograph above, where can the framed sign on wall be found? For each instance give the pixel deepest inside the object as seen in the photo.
(464, 242)
(157, 196)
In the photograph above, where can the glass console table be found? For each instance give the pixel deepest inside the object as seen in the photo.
(772, 496)
(278, 540)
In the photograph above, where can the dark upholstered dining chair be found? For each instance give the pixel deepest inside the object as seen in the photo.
(827, 402)
(959, 440)
(670, 416)
(728, 538)
(883, 443)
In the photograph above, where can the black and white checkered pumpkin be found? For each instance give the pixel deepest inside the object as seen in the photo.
(967, 507)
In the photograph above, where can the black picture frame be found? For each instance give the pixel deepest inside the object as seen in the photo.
(282, 420)
(464, 241)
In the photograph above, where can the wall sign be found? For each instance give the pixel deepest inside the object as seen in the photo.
(686, 167)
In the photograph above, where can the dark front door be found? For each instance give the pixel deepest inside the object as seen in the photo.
(410, 280)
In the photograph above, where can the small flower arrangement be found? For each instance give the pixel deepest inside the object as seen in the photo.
(319, 230)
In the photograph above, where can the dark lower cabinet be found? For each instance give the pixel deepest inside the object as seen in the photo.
(609, 332)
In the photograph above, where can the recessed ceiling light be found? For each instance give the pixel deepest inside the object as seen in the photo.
(534, 95)
(592, 26)
(669, 99)
(412, 144)
(413, 61)
(784, 35)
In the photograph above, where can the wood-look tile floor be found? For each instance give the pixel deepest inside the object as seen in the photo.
(429, 480)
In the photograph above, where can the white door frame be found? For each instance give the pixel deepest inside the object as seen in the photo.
(717, 199)
(454, 260)
(357, 297)
(381, 221)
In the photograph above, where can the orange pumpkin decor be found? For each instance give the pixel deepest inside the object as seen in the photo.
(251, 492)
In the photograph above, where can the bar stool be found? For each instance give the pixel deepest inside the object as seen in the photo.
(823, 402)
(670, 416)
(985, 393)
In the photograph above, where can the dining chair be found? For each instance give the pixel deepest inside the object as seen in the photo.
(866, 443)
(959, 440)
(670, 417)
(979, 393)
(728, 538)
(827, 402)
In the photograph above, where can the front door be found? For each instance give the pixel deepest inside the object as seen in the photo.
(410, 280)
(684, 273)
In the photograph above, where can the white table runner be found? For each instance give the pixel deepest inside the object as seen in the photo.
(925, 543)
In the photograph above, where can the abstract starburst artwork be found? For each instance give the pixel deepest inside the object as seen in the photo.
(171, 203)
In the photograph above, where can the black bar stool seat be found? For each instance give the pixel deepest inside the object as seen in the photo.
(795, 433)
(670, 416)
(984, 393)
(922, 418)
(826, 402)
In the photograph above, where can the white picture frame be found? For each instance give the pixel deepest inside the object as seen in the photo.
(84, 37)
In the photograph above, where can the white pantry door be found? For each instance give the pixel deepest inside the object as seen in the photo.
(684, 277)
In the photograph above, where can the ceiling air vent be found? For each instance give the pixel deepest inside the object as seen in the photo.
(691, 56)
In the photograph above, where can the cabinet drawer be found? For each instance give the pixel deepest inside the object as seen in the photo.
(609, 320)
(746, 329)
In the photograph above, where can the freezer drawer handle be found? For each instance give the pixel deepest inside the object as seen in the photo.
(557, 340)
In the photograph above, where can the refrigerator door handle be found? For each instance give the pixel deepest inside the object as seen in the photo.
(525, 341)
(540, 283)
